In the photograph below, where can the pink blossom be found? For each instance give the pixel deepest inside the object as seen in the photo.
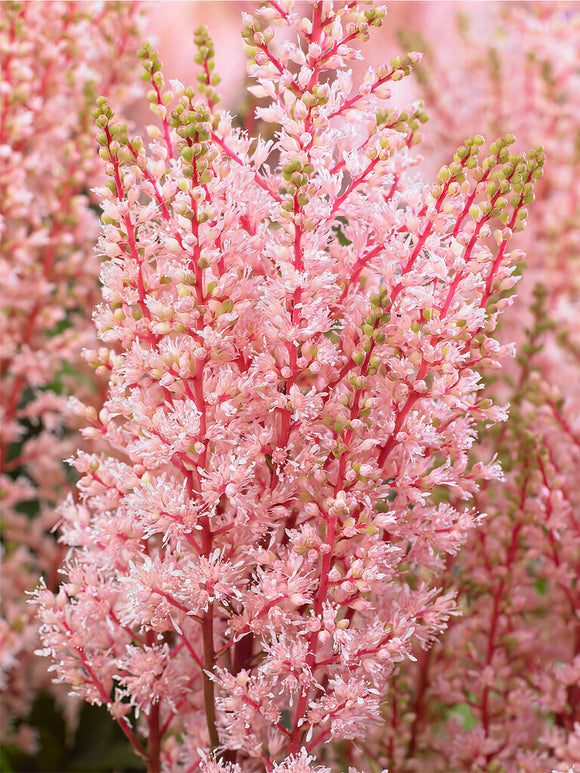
(498, 689)
(296, 335)
(53, 58)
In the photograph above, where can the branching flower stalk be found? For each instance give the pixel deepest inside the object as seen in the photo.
(499, 691)
(48, 285)
(295, 333)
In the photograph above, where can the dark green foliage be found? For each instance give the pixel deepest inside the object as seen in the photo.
(96, 746)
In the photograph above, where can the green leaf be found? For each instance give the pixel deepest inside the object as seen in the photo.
(286, 719)
(462, 711)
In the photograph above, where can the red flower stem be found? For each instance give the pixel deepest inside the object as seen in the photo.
(154, 740)
(104, 696)
(420, 708)
(297, 731)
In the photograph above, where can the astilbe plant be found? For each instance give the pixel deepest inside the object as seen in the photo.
(499, 692)
(295, 333)
(52, 58)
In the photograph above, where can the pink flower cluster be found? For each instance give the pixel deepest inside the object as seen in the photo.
(500, 690)
(48, 274)
(295, 332)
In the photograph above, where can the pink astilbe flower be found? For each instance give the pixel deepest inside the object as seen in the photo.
(501, 687)
(526, 66)
(295, 332)
(52, 58)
